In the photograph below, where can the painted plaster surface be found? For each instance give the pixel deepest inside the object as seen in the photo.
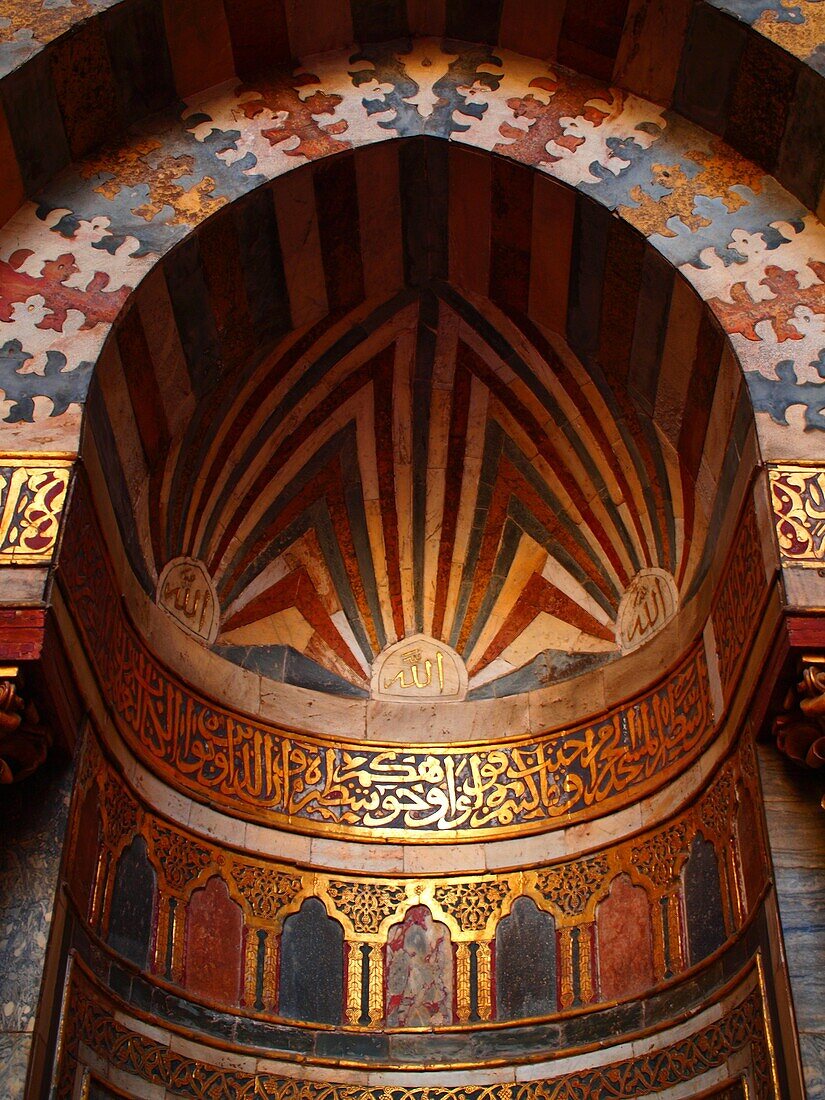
(28, 25)
(799, 27)
(750, 249)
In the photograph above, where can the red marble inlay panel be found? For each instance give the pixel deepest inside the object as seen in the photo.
(625, 941)
(214, 944)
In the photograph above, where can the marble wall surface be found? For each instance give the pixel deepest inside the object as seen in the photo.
(797, 843)
(33, 819)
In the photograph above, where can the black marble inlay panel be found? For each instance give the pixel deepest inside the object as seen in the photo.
(703, 901)
(312, 966)
(133, 904)
(525, 963)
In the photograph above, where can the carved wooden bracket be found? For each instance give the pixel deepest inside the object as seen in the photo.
(800, 728)
(24, 742)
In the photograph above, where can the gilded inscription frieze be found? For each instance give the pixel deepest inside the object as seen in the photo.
(367, 906)
(471, 906)
(297, 782)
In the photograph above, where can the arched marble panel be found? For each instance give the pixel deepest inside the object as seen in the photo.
(419, 972)
(525, 962)
(312, 966)
(86, 850)
(131, 918)
(703, 901)
(214, 944)
(751, 855)
(624, 936)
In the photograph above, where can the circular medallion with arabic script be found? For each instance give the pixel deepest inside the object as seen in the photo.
(186, 592)
(419, 668)
(649, 603)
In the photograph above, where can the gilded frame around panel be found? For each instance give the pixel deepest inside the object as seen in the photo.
(34, 488)
(800, 532)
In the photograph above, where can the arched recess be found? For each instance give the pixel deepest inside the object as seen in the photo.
(256, 376)
(227, 295)
(751, 250)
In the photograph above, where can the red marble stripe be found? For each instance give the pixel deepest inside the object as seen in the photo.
(538, 596)
(11, 185)
(544, 446)
(317, 417)
(590, 36)
(139, 371)
(199, 45)
(385, 459)
(240, 418)
(452, 491)
(336, 204)
(511, 234)
(511, 484)
(259, 35)
(224, 277)
(297, 590)
(588, 415)
(620, 301)
(689, 506)
(326, 485)
(710, 344)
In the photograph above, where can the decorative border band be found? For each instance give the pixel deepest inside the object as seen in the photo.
(88, 1020)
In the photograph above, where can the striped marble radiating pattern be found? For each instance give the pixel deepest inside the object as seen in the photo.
(368, 415)
(449, 474)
